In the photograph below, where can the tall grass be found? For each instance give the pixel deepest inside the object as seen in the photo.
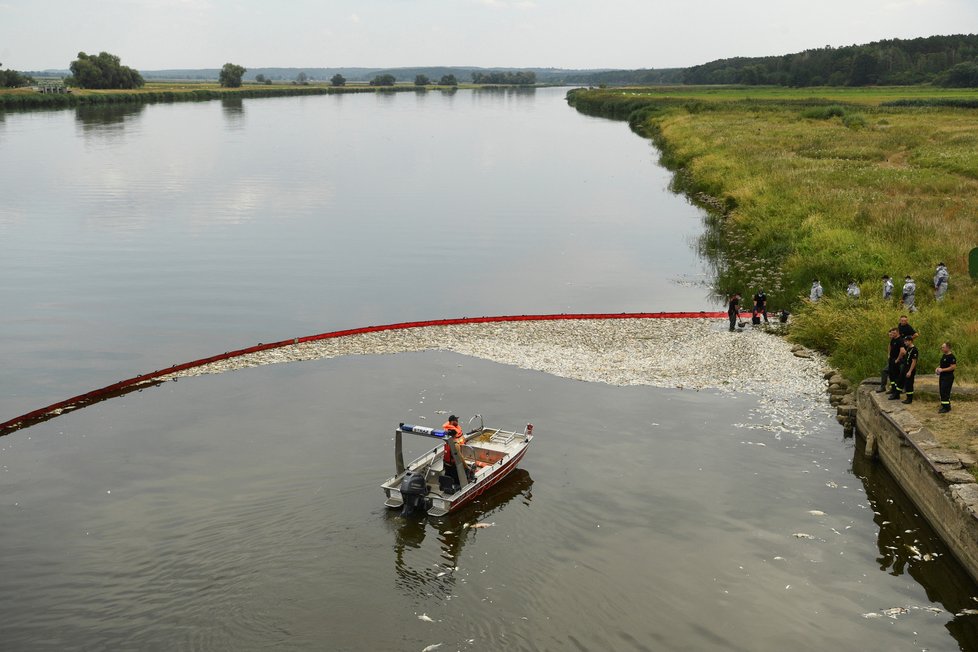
(801, 193)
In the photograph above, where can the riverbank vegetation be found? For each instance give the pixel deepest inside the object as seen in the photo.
(830, 185)
(28, 98)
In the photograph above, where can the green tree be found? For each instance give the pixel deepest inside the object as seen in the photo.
(963, 75)
(302, 78)
(383, 80)
(448, 80)
(231, 74)
(337, 80)
(103, 71)
(421, 80)
(260, 78)
(14, 79)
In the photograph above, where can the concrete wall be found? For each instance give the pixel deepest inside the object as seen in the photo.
(936, 479)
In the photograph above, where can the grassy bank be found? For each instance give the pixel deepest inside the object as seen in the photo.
(828, 183)
(26, 98)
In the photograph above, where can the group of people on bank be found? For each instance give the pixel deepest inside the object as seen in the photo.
(901, 366)
(908, 297)
(758, 312)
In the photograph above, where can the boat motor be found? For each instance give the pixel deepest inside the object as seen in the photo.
(414, 492)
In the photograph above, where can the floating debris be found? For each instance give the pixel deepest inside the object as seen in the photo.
(967, 612)
(426, 617)
(693, 353)
(432, 647)
(895, 611)
(816, 512)
(802, 535)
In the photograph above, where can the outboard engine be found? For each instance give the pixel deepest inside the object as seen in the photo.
(414, 492)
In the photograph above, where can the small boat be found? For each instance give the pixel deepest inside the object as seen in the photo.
(487, 457)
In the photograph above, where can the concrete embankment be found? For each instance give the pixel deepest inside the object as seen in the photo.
(937, 479)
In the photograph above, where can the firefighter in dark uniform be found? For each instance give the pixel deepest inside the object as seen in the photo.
(909, 368)
(733, 310)
(760, 304)
(945, 376)
(892, 370)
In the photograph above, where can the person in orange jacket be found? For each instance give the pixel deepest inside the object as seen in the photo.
(451, 426)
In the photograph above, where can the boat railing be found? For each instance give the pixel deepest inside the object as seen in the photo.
(502, 437)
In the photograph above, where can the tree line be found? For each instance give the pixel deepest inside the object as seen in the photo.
(527, 78)
(941, 60)
(14, 79)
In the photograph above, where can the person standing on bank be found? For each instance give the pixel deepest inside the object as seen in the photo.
(891, 372)
(940, 281)
(816, 292)
(945, 376)
(909, 368)
(853, 290)
(733, 310)
(760, 304)
(909, 295)
(905, 329)
(887, 288)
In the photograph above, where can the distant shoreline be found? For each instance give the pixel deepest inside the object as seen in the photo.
(157, 92)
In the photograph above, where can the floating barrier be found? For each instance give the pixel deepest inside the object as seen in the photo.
(154, 378)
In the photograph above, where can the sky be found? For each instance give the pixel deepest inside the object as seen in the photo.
(579, 34)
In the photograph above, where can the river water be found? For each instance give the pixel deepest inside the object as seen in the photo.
(242, 511)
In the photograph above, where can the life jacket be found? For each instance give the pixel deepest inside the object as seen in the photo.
(459, 439)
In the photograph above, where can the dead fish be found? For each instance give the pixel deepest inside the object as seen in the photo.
(967, 612)
(478, 525)
(872, 614)
(432, 647)
(426, 618)
(831, 485)
(816, 512)
(441, 411)
(802, 535)
(894, 612)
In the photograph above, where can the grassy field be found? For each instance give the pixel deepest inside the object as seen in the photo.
(828, 183)
(870, 95)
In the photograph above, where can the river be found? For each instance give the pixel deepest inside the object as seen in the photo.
(243, 511)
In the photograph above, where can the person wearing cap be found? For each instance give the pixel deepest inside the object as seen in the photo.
(452, 429)
(909, 296)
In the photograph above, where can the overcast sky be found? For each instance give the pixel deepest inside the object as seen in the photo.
(160, 34)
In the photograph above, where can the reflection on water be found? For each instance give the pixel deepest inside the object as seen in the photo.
(233, 109)
(908, 545)
(107, 120)
(421, 577)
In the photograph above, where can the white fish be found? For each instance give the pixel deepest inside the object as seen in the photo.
(426, 618)
(432, 647)
(441, 411)
(896, 611)
(478, 525)
(802, 535)
(872, 614)
(816, 512)
(967, 612)
(831, 485)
